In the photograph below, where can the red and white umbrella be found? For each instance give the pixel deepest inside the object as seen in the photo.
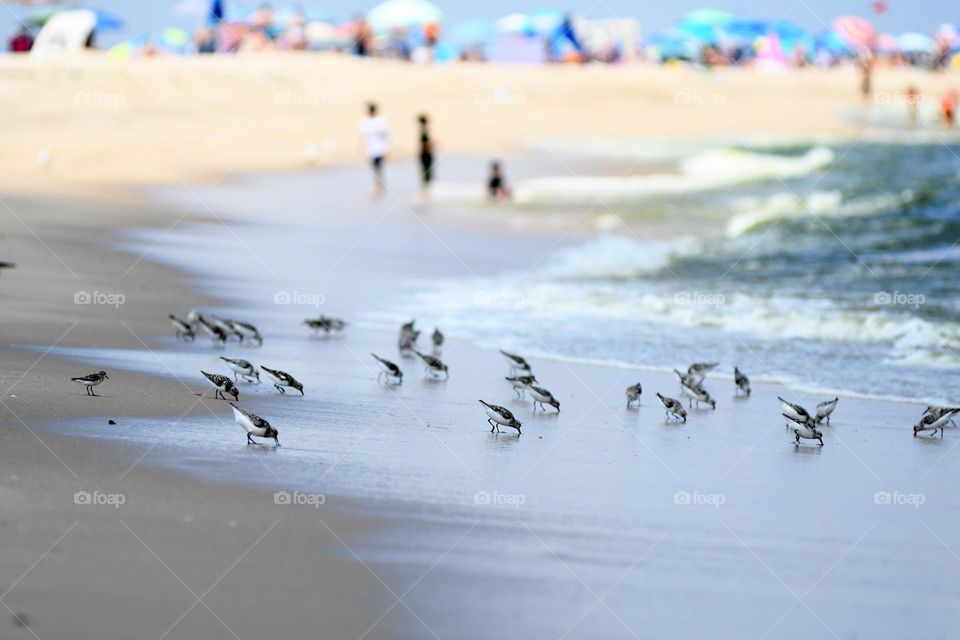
(855, 31)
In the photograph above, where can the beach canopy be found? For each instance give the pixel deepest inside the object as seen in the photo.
(855, 31)
(674, 44)
(399, 14)
(914, 42)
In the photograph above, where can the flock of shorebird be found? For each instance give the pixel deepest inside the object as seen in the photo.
(804, 424)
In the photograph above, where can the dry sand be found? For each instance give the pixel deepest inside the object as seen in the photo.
(93, 121)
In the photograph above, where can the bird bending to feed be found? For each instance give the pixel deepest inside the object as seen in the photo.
(283, 379)
(498, 416)
(91, 381)
(327, 324)
(674, 408)
(541, 396)
(688, 380)
(824, 409)
(805, 428)
(243, 368)
(517, 364)
(245, 330)
(437, 338)
(225, 326)
(699, 370)
(697, 394)
(520, 383)
(254, 424)
(223, 385)
(433, 366)
(793, 411)
(633, 394)
(936, 411)
(183, 329)
(408, 337)
(390, 371)
(216, 333)
(742, 382)
(931, 422)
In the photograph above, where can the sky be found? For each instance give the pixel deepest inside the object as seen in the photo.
(902, 15)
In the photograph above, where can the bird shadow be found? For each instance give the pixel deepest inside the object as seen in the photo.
(807, 449)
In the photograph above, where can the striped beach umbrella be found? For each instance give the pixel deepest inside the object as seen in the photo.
(855, 31)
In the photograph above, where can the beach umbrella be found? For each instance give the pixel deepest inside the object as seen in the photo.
(709, 17)
(831, 42)
(470, 33)
(544, 21)
(855, 31)
(398, 14)
(38, 18)
(948, 34)
(703, 33)
(887, 43)
(674, 44)
(744, 32)
(107, 21)
(171, 40)
(129, 48)
(514, 23)
(914, 42)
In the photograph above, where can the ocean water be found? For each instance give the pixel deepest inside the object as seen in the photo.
(833, 268)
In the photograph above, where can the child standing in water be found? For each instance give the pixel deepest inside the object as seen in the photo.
(497, 187)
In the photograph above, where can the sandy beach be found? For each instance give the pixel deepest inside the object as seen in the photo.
(415, 521)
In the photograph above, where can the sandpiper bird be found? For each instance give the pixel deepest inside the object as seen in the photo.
(193, 317)
(824, 409)
(520, 383)
(931, 422)
(217, 334)
(183, 329)
(498, 416)
(793, 411)
(223, 385)
(699, 370)
(254, 424)
(674, 408)
(433, 365)
(633, 394)
(805, 428)
(283, 379)
(7, 265)
(225, 326)
(245, 330)
(697, 394)
(326, 324)
(541, 396)
(688, 380)
(408, 336)
(517, 364)
(742, 382)
(390, 370)
(243, 368)
(936, 411)
(91, 381)
(437, 338)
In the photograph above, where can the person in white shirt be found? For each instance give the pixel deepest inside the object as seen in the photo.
(375, 133)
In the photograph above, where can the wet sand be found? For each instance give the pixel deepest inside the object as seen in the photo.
(599, 522)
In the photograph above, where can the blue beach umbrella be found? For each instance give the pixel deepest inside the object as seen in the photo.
(107, 21)
(914, 42)
(832, 43)
(744, 32)
(709, 17)
(674, 44)
(703, 33)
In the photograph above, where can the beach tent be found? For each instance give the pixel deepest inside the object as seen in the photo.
(66, 32)
(855, 31)
(399, 14)
(913, 42)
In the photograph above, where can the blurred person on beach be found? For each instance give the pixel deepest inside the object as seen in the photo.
(362, 37)
(21, 41)
(426, 157)
(866, 76)
(375, 136)
(948, 107)
(912, 97)
(204, 40)
(497, 187)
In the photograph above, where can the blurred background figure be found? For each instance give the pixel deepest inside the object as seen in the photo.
(426, 157)
(948, 107)
(362, 36)
(205, 41)
(375, 136)
(21, 41)
(913, 103)
(497, 187)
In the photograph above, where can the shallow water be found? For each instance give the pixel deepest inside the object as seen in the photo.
(599, 522)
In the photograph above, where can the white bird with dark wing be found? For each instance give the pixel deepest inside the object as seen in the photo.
(697, 394)
(824, 409)
(407, 342)
(254, 425)
(245, 330)
(742, 382)
(225, 326)
(674, 408)
(283, 379)
(390, 372)
(793, 411)
(223, 385)
(433, 366)
(183, 329)
(329, 325)
(216, 333)
(520, 384)
(805, 428)
(542, 397)
(633, 394)
(517, 364)
(498, 416)
(699, 370)
(91, 381)
(243, 368)
(936, 411)
(931, 422)
(688, 380)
